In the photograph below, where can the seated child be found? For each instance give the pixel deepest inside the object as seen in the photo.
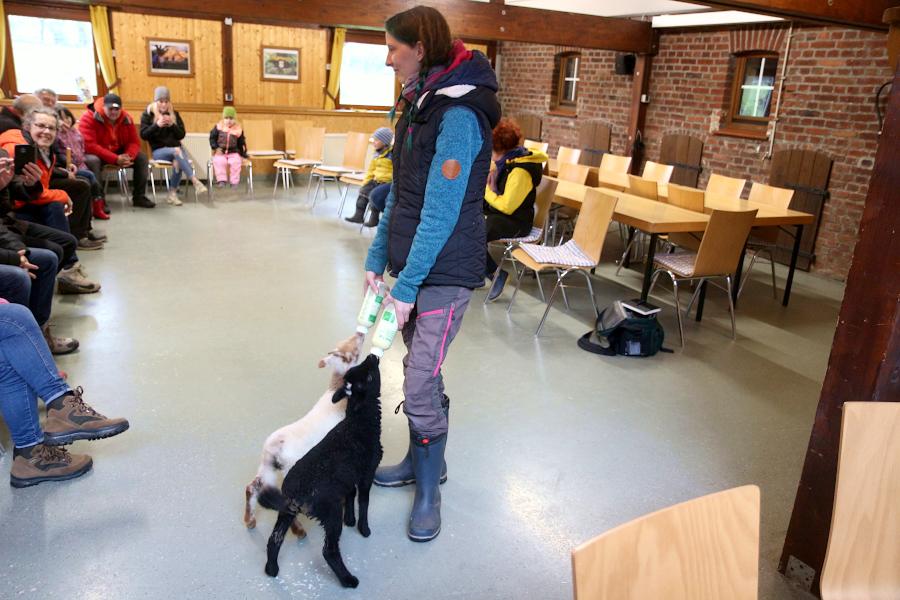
(377, 182)
(229, 148)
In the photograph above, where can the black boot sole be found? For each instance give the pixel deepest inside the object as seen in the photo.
(23, 483)
(405, 482)
(63, 439)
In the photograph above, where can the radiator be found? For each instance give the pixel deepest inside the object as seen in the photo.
(197, 146)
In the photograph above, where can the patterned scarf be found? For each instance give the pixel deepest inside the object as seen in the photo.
(500, 163)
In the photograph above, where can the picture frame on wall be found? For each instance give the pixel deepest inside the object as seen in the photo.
(280, 64)
(170, 57)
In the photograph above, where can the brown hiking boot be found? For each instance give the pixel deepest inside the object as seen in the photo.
(58, 345)
(41, 463)
(70, 419)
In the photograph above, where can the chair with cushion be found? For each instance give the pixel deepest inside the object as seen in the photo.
(308, 145)
(717, 258)
(863, 555)
(355, 150)
(703, 549)
(764, 240)
(543, 199)
(580, 254)
(689, 199)
(562, 217)
(657, 172)
(720, 186)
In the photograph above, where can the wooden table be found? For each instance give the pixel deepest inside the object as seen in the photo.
(658, 218)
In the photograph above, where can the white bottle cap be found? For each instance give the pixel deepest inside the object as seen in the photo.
(362, 330)
(379, 352)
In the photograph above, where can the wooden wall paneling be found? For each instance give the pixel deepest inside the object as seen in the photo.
(249, 89)
(130, 34)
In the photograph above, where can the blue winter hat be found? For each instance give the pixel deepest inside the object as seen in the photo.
(383, 135)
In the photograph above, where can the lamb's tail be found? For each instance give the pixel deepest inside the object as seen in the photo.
(271, 498)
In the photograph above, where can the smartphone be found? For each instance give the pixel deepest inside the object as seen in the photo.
(24, 154)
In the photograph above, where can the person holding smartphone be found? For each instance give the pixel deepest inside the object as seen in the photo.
(162, 127)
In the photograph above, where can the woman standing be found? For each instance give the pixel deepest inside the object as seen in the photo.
(162, 127)
(432, 235)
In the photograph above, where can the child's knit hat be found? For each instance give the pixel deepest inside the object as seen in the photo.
(229, 111)
(383, 135)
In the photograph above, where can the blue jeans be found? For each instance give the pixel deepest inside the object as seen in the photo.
(378, 196)
(27, 371)
(181, 164)
(96, 188)
(37, 294)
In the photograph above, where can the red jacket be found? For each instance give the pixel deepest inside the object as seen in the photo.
(108, 139)
(9, 139)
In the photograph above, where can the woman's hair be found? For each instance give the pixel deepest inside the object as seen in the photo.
(506, 135)
(31, 115)
(423, 24)
(65, 114)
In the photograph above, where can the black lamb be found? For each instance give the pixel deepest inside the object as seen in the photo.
(324, 483)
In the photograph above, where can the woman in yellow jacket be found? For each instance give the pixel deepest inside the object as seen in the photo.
(377, 182)
(509, 194)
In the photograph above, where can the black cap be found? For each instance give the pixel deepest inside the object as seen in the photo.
(112, 100)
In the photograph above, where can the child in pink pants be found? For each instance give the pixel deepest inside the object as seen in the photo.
(229, 148)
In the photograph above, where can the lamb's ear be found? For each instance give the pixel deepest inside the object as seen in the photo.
(339, 395)
(322, 363)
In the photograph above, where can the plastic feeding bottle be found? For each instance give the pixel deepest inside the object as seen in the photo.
(368, 313)
(385, 332)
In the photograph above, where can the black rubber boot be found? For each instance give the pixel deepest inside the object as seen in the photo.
(427, 458)
(372, 221)
(402, 473)
(360, 210)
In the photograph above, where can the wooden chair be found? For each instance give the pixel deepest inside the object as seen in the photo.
(764, 240)
(703, 549)
(720, 186)
(574, 172)
(615, 163)
(164, 166)
(687, 198)
(564, 156)
(581, 253)
(539, 146)
(543, 199)
(260, 144)
(645, 188)
(355, 150)
(722, 244)
(308, 145)
(863, 555)
(293, 136)
(657, 172)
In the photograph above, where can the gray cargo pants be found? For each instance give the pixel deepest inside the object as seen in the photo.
(433, 323)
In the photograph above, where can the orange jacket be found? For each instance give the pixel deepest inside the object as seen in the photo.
(8, 141)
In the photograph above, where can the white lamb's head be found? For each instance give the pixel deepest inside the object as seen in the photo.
(344, 355)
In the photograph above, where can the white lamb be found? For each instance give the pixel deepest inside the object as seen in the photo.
(289, 444)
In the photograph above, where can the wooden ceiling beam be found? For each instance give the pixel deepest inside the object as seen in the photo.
(865, 14)
(474, 20)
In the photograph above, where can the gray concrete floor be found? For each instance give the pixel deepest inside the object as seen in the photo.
(206, 336)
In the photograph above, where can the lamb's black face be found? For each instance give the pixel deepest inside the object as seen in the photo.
(360, 379)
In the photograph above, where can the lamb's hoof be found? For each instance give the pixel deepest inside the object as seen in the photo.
(297, 529)
(250, 523)
(272, 569)
(364, 530)
(350, 521)
(350, 581)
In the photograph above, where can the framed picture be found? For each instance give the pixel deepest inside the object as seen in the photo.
(280, 64)
(170, 57)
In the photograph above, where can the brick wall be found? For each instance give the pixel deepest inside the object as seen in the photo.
(526, 81)
(827, 106)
